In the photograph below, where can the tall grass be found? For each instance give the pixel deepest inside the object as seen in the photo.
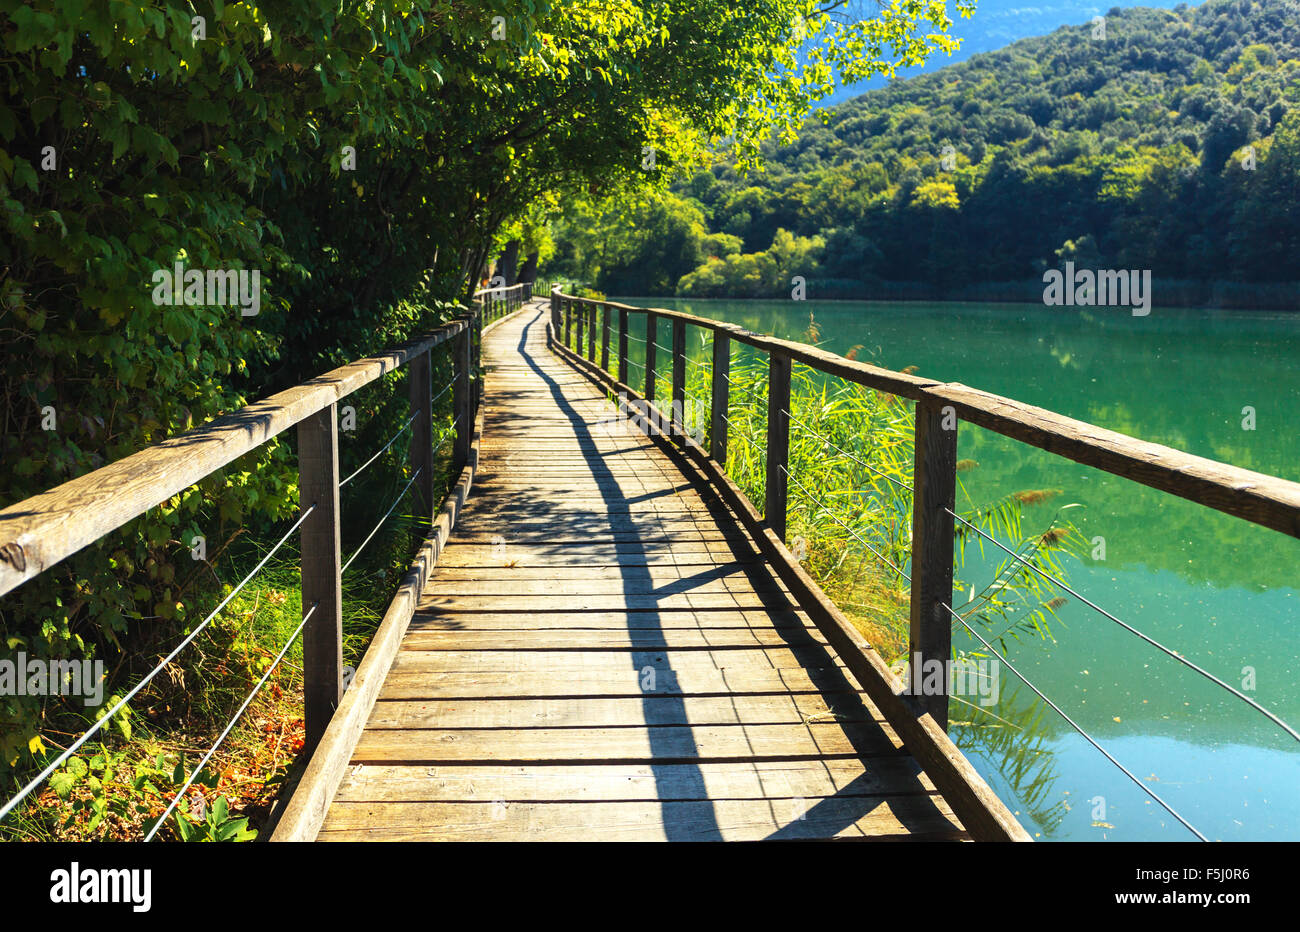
(849, 516)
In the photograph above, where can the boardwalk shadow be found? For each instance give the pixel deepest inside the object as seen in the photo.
(693, 816)
(663, 699)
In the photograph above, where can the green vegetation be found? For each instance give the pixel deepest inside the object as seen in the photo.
(1129, 151)
(850, 503)
(366, 160)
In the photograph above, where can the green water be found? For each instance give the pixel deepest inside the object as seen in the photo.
(1222, 592)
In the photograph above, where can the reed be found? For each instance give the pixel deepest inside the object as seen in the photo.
(850, 503)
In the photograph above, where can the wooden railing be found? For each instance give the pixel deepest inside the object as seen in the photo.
(37, 533)
(595, 334)
(502, 300)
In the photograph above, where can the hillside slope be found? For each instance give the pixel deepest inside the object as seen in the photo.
(1171, 144)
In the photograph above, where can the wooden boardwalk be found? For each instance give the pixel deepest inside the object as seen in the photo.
(602, 654)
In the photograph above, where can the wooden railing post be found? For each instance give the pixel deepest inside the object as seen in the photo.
(934, 483)
(651, 334)
(591, 332)
(462, 398)
(678, 419)
(622, 346)
(604, 337)
(420, 384)
(579, 324)
(477, 370)
(720, 397)
(778, 440)
(322, 584)
(555, 318)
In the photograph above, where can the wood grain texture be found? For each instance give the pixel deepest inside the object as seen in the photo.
(934, 489)
(982, 813)
(322, 590)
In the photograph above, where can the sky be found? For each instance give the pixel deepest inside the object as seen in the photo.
(996, 23)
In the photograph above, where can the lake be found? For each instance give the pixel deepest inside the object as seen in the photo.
(1222, 592)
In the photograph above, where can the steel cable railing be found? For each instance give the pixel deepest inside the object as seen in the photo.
(318, 432)
(1132, 630)
(846, 527)
(898, 482)
(230, 724)
(401, 495)
(148, 677)
(360, 469)
(1075, 725)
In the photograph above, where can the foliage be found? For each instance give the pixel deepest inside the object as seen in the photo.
(366, 160)
(850, 504)
(988, 170)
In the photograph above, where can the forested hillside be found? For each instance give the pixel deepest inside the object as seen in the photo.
(1170, 141)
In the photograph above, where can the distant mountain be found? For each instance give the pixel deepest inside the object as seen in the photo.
(1171, 144)
(997, 23)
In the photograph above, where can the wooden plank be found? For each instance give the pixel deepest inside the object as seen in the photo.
(604, 337)
(638, 639)
(720, 396)
(651, 660)
(622, 712)
(634, 582)
(491, 620)
(777, 461)
(878, 818)
(651, 349)
(779, 779)
(934, 489)
(679, 378)
(1264, 500)
(695, 679)
(622, 345)
(752, 571)
(668, 743)
(505, 602)
(420, 455)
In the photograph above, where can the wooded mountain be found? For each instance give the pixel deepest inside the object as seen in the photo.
(1171, 143)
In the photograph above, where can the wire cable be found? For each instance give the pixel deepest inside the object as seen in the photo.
(108, 716)
(897, 482)
(230, 725)
(401, 430)
(1073, 724)
(846, 527)
(356, 553)
(1132, 630)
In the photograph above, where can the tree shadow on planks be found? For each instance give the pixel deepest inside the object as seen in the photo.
(911, 803)
(648, 657)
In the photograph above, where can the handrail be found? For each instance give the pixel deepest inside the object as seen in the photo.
(39, 532)
(1268, 501)
(1262, 499)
